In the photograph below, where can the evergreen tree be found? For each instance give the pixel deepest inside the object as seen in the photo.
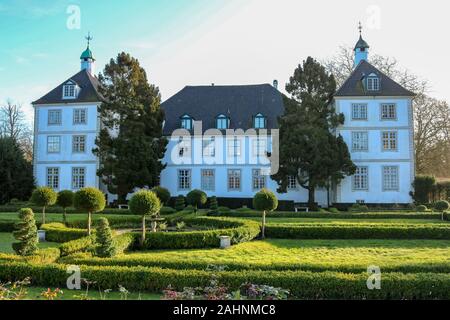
(25, 233)
(180, 203)
(309, 147)
(105, 247)
(15, 171)
(213, 204)
(130, 145)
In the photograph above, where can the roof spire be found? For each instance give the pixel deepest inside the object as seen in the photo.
(360, 27)
(89, 38)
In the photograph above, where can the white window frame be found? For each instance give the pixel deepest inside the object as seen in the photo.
(52, 177)
(259, 147)
(359, 111)
(258, 179)
(373, 83)
(79, 144)
(69, 91)
(78, 177)
(80, 116)
(234, 146)
(234, 179)
(222, 122)
(360, 180)
(208, 177)
(360, 141)
(54, 117)
(391, 179)
(187, 122)
(209, 146)
(184, 147)
(184, 179)
(389, 140)
(54, 144)
(259, 121)
(390, 113)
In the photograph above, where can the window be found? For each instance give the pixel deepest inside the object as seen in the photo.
(389, 140)
(259, 147)
(53, 144)
(390, 178)
(360, 141)
(234, 147)
(78, 144)
(208, 183)
(54, 117)
(259, 121)
(53, 178)
(222, 122)
(373, 83)
(259, 180)
(69, 91)
(209, 148)
(361, 178)
(184, 147)
(79, 116)
(359, 111)
(78, 178)
(388, 111)
(234, 179)
(186, 122)
(184, 179)
(292, 182)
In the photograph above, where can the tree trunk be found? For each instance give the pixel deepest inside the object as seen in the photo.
(122, 199)
(43, 215)
(263, 228)
(89, 223)
(65, 217)
(154, 225)
(143, 232)
(311, 199)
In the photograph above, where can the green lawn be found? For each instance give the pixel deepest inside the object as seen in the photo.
(297, 254)
(6, 239)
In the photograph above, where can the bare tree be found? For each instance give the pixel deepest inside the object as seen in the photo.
(13, 124)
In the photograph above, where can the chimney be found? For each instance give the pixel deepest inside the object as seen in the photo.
(275, 84)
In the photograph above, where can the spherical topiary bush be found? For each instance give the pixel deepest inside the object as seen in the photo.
(421, 208)
(43, 197)
(65, 200)
(265, 200)
(25, 233)
(441, 205)
(196, 198)
(163, 194)
(89, 200)
(144, 203)
(180, 203)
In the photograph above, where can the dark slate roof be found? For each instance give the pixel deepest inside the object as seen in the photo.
(354, 85)
(240, 103)
(88, 93)
(361, 44)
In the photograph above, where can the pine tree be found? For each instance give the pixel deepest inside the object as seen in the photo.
(309, 149)
(25, 233)
(105, 247)
(130, 145)
(180, 203)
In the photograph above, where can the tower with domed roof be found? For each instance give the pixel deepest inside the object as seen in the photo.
(87, 58)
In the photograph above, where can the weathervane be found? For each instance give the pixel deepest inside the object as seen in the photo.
(89, 38)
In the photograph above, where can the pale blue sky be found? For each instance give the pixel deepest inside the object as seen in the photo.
(182, 42)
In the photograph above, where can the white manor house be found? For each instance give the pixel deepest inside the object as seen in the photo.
(378, 130)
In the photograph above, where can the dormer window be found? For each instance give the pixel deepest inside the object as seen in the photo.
(373, 82)
(186, 122)
(69, 90)
(222, 122)
(259, 121)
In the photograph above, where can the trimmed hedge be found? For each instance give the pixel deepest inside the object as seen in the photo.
(359, 231)
(79, 245)
(58, 232)
(238, 230)
(302, 284)
(42, 256)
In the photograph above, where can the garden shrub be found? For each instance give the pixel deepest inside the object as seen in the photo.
(104, 240)
(421, 208)
(167, 210)
(163, 194)
(145, 203)
(223, 209)
(89, 200)
(333, 210)
(265, 201)
(196, 198)
(441, 205)
(25, 233)
(302, 284)
(44, 197)
(213, 204)
(58, 232)
(423, 187)
(65, 200)
(180, 203)
(359, 208)
(79, 245)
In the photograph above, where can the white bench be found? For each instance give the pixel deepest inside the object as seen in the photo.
(298, 208)
(123, 207)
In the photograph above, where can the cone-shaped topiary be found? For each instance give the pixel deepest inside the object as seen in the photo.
(163, 194)
(104, 240)
(180, 203)
(65, 200)
(265, 200)
(25, 233)
(144, 203)
(213, 204)
(89, 200)
(196, 198)
(43, 197)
